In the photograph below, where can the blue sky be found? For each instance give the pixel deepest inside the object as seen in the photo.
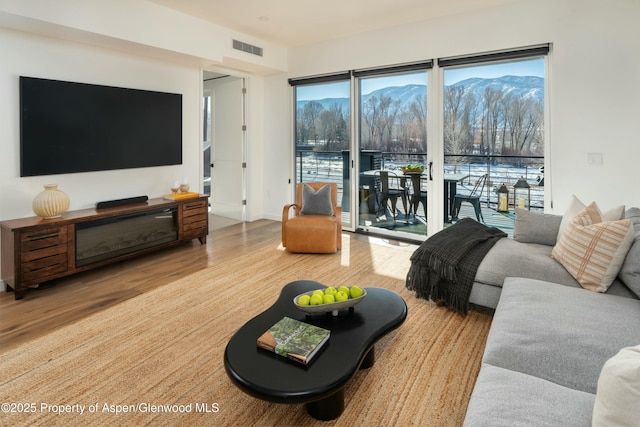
(534, 67)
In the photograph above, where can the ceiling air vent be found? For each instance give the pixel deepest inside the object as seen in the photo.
(246, 47)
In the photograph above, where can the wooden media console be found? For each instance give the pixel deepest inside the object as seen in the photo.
(36, 250)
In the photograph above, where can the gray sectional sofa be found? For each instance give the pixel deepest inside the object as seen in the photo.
(550, 338)
(528, 254)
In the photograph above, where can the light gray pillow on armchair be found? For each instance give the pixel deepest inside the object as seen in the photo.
(630, 270)
(532, 227)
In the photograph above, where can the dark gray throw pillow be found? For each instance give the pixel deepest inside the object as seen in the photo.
(316, 202)
(532, 227)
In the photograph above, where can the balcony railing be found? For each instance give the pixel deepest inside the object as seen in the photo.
(330, 166)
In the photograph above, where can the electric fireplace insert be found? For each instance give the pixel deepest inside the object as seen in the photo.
(108, 238)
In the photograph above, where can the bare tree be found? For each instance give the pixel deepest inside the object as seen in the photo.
(369, 124)
(379, 116)
(403, 131)
(458, 114)
(332, 127)
(533, 125)
(491, 117)
(522, 120)
(390, 110)
(307, 121)
(418, 109)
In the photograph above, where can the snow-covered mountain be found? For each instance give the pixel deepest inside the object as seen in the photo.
(525, 86)
(522, 86)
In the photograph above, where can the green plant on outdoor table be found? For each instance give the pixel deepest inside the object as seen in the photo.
(413, 168)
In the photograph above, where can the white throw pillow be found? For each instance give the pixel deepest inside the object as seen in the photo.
(577, 206)
(618, 393)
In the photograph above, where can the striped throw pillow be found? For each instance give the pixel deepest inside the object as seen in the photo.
(593, 251)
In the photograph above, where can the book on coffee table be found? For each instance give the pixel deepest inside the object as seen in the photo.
(299, 341)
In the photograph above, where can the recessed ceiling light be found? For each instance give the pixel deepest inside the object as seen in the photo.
(263, 18)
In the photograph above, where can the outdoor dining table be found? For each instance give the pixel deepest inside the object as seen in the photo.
(450, 187)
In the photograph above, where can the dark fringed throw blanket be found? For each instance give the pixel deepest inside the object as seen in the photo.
(444, 266)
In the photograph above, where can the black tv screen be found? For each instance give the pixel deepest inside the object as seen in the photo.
(68, 127)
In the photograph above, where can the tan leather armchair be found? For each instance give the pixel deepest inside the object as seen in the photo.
(312, 233)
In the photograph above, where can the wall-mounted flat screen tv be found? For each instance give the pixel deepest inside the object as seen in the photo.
(68, 127)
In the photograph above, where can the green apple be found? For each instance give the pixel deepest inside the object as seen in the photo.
(328, 299)
(304, 300)
(356, 292)
(315, 299)
(318, 292)
(330, 290)
(344, 289)
(341, 296)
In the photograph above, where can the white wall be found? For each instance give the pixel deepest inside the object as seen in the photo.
(35, 56)
(594, 93)
(257, 147)
(143, 28)
(278, 142)
(126, 43)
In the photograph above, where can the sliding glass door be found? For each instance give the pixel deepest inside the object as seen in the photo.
(392, 147)
(322, 136)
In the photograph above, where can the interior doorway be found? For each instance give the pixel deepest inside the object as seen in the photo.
(224, 144)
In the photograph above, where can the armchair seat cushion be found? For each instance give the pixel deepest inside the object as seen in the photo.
(312, 234)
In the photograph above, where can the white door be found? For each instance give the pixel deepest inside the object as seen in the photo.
(227, 154)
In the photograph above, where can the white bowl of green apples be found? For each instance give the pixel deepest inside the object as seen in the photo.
(330, 299)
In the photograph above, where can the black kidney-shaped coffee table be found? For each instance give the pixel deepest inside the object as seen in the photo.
(320, 384)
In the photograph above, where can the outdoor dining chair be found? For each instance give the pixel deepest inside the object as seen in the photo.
(473, 198)
(418, 195)
(391, 193)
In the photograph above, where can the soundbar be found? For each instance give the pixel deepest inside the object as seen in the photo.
(121, 202)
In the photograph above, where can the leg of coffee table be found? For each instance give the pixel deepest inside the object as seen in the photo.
(328, 408)
(369, 359)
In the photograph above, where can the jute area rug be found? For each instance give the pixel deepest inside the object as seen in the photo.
(157, 359)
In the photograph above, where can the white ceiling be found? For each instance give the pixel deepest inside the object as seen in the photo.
(299, 22)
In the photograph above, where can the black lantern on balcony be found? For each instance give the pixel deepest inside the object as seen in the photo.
(503, 199)
(522, 194)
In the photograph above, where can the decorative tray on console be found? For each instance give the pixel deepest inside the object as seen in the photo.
(332, 308)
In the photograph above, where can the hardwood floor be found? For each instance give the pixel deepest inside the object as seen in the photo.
(74, 297)
(81, 295)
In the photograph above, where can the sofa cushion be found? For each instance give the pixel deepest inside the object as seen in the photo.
(509, 258)
(558, 333)
(593, 250)
(576, 206)
(618, 395)
(533, 227)
(502, 397)
(316, 202)
(630, 270)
